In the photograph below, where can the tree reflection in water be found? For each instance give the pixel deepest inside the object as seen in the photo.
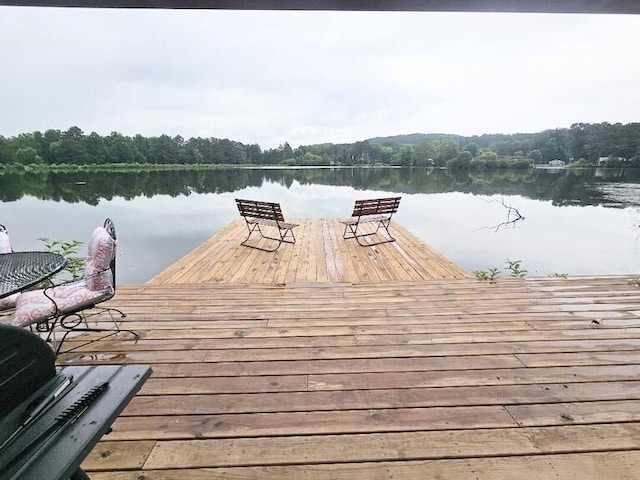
(562, 187)
(165, 214)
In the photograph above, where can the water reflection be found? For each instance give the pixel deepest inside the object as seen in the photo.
(569, 226)
(561, 186)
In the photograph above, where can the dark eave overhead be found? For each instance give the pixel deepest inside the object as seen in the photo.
(542, 6)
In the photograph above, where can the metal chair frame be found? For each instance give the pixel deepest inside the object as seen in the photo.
(266, 214)
(80, 314)
(378, 211)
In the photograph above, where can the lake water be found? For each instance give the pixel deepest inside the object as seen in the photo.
(578, 222)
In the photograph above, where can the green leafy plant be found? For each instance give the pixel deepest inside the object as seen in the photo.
(75, 264)
(480, 274)
(487, 275)
(515, 267)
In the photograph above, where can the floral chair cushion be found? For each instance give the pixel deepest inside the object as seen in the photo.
(9, 302)
(35, 306)
(100, 253)
(101, 248)
(5, 243)
(97, 280)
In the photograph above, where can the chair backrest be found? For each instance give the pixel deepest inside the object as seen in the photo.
(5, 241)
(111, 230)
(263, 210)
(100, 264)
(376, 206)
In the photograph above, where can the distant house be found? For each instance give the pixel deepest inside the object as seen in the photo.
(556, 163)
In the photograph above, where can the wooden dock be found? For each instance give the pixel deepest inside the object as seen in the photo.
(413, 379)
(320, 255)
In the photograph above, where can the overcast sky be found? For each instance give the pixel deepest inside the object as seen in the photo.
(313, 77)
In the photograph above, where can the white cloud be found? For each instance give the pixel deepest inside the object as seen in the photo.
(310, 77)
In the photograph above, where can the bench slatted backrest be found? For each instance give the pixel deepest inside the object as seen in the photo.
(263, 210)
(378, 206)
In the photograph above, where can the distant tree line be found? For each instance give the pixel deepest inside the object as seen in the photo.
(582, 144)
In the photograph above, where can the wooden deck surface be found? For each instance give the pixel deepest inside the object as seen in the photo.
(320, 255)
(449, 379)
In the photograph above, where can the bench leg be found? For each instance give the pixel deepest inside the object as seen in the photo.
(351, 231)
(350, 227)
(286, 236)
(256, 227)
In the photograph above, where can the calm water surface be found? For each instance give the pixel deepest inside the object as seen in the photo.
(576, 222)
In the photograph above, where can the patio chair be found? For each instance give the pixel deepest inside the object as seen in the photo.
(5, 241)
(267, 214)
(9, 302)
(70, 304)
(377, 211)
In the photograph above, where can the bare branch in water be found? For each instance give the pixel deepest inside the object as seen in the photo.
(513, 216)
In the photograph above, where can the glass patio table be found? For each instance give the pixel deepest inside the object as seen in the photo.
(21, 270)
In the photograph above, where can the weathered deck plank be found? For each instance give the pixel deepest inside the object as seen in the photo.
(583, 466)
(390, 446)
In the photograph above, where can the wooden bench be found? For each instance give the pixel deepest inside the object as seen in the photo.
(378, 211)
(267, 214)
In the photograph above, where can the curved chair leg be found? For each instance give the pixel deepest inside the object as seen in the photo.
(389, 240)
(256, 227)
(353, 230)
(73, 327)
(109, 332)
